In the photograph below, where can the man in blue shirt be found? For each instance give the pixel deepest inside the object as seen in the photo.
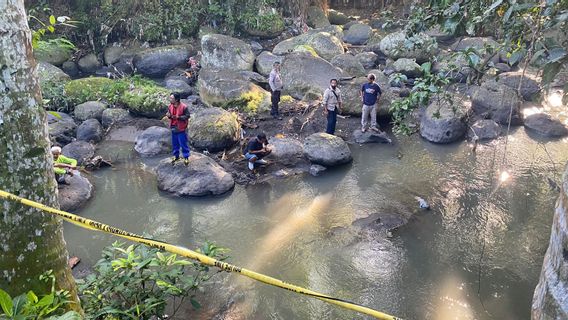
(370, 94)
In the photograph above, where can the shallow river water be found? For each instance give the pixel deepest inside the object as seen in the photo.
(476, 255)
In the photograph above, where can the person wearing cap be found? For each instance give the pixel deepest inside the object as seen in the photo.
(179, 118)
(275, 82)
(256, 150)
(370, 95)
(62, 165)
(331, 105)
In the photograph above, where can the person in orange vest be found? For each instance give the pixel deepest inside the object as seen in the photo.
(179, 117)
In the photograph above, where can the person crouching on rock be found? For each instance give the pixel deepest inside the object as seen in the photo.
(331, 105)
(256, 150)
(62, 165)
(179, 116)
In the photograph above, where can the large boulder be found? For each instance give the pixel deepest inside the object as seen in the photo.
(317, 18)
(546, 125)
(303, 73)
(367, 59)
(112, 54)
(180, 86)
(326, 149)
(529, 86)
(287, 151)
(264, 62)
(225, 53)
(397, 45)
(73, 195)
(201, 177)
(214, 129)
(79, 150)
(358, 34)
(485, 130)
(70, 68)
(455, 66)
(349, 64)
(232, 90)
(61, 127)
(325, 44)
(337, 17)
(89, 63)
(154, 141)
(55, 52)
(115, 116)
(156, 62)
(352, 101)
(147, 100)
(89, 110)
(408, 67)
(497, 101)
(445, 121)
(90, 130)
(49, 74)
(479, 44)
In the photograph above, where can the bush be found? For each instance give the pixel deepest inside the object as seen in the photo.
(137, 282)
(94, 89)
(146, 100)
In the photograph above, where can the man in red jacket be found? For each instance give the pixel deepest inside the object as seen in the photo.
(179, 116)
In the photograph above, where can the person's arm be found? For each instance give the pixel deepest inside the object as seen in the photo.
(70, 162)
(325, 100)
(271, 81)
(361, 92)
(185, 115)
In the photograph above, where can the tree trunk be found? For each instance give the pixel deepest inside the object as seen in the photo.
(31, 242)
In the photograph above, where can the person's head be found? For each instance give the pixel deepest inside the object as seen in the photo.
(333, 83)
(371, 77)
(175, 97)
(262, 138)
(276, 66)
(56, 152)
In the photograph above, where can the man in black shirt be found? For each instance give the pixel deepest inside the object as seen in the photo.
(256, 150)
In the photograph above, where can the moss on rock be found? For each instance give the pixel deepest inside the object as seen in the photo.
(94, 89)
(146, 100)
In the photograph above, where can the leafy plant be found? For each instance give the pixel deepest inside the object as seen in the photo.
(137, 282)
(29, 306)
(49, 26)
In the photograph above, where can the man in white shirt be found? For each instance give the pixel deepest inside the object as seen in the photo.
(331, 105)
(275, 82)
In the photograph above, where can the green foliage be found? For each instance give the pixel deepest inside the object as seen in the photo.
(137, 282)
(49, 26)
(94, 89)
(426, 87)
(251, 102)
(54, 97)
(29, 306)
(146, 99)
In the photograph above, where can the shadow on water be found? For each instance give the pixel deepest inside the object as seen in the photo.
(476, 254)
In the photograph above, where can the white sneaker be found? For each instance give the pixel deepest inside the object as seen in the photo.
(251, 165)
(261, 161)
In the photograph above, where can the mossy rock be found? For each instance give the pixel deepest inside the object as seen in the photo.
(94, 89)
(146, 100)
(326, 44)
(55, 51)
(214, 129)
(306, 48)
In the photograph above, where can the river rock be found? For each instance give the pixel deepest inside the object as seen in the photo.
(214, 129)
(287, 151)
(225, 53)
(316, 17)
(178, 85)
(445, 121)
(367, 59)
(201, 177)
(408, 67)
(358, 34)
(337, 17)
(494, 101)
(502, 67)
(546, 125)
(70, 68)
(61, 127)
(303, 73)
(89, 63)
(382, 221)
(153, 141)
(455, 66)
(256, 47)
(157, 62)
(352, 101)
(349, 64)
(112, 54)
(79, 150)
(232, 89)
(265, 61)
(89, 110)
(75, 194)
(394, 46)
(529, 88)
(477, 43)
(327, 150)
(90, 130)
(325, 44)
(49, 74)
(485, 130)
(317, 170)
(115, 116)
(52, 53)
(370, 137)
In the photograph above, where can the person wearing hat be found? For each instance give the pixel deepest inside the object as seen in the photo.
(370, 95)
(62, 165)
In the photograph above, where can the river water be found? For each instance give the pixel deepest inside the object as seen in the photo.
(476, 254)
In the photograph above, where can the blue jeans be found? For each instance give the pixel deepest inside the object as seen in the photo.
(179, 140)
(331, 120)
(250, 156)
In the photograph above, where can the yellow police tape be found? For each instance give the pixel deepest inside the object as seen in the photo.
(94, 225)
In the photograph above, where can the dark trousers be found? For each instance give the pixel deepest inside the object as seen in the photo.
(179, 140)
(331, 120)
(275, 98)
